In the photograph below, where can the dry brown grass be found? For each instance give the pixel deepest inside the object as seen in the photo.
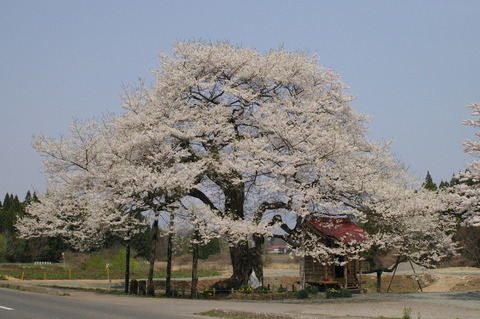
(273, 261)
(400, 284)
(222, 264)
(219, 262)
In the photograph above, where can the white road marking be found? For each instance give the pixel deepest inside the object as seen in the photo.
(6, 308)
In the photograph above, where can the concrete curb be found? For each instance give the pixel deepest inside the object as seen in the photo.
(34, 288)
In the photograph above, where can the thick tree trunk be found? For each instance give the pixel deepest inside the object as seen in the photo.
(168, 285)
(257, 261)
(153, 248)
(127, 266)
(244, 259)
(241, 264)
(242, 256)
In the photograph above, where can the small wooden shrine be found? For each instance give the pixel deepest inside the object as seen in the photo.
(332, 231)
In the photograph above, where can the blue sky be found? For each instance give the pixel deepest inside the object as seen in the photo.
(413, 65)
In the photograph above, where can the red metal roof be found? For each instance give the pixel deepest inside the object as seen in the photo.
(341, 228)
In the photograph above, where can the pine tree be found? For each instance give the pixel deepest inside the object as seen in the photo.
(28, 198)
(443, 185)
(16, 205)
(429, 184)
(6, 202)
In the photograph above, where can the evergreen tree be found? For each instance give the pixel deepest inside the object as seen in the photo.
(210, 248)
(443, 185)
(429, 184)
(16, 205)
(6, 202)
(15, 249)
(28, 198)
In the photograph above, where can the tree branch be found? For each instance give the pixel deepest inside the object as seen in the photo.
(204, 198)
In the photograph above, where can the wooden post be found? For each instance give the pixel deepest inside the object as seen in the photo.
(193, 290)
(379, 280)
(302, 273)
(302, 263)
(345, 273)
(168, 285)
(127, 266)
(360, 266)
(133, 287)
(415, 274)
(150, 289)
(394, 272)
(142, 287)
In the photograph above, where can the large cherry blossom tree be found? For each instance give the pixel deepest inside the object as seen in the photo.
(249, 145)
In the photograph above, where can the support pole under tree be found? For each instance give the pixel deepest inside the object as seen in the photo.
(127, 266)
(193, 291)
(415, 274)
(394, 272)
(302, 265)
(168, 284)
(360, 267)
(379, 280)
(153, 248)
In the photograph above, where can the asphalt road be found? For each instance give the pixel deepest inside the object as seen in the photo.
(24, 305)
(79, 305)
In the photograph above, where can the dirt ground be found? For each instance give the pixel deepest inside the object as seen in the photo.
(452, 279)
(455, 279)
(438, 280)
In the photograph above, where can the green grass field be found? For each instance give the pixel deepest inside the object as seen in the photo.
(37, 272)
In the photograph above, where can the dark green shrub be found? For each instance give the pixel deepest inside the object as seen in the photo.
(281, 289)
(262, 290)
(94, 262)
(338, 293)
(209, 249)
(312, 290)
(303, 294)
(245, 289)
(204, 294)
(406, 313)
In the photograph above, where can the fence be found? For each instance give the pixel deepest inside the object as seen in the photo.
(138, 287)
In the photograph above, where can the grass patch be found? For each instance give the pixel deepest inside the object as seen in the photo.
(338, 293)
(94, 266)
(233, 314)
(60, 272)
